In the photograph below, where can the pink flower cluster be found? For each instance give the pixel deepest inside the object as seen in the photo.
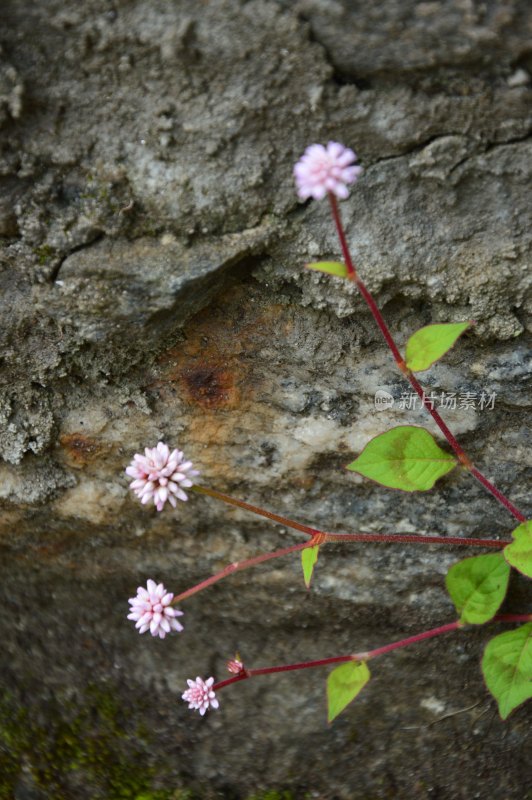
(151, 610)
(325, 169)
(160, 475)
(200, 695)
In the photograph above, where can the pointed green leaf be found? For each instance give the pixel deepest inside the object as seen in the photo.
(507, 668)
(330, 267)
(343, 685)
(478, 586)
(428, 344)
(519, 552)
(405, 458)
(309, 556)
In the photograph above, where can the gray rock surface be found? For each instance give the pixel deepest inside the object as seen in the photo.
(152, 287)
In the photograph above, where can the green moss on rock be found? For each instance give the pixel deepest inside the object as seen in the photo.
(82, 745)
(272, 795)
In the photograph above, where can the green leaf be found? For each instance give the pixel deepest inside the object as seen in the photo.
(405, 458)
(309, 556)
(330, 267)
(507, 668)
(343, 685)
(478, 586)
(428, 344)
(519, 552)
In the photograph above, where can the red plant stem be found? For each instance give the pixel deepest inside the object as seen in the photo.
(496, 493)
(416, 538)
(462, 456)
(233, 501)
(324, 536)
(351, 271)
(316, 538)
(237, 566)
(379, 651)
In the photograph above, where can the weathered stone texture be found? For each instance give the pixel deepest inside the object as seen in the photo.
(152, 286)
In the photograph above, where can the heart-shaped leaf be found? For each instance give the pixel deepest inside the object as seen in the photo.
(330, 267)
(507, 668)
(478, 586)
(343, 685)
(428, 344)
(309, 556)
(406, 457)
(519, 552)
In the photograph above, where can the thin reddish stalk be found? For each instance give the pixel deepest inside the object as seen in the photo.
(237, 566)
(233, 501)
(351, 271)
(372, 538)
(462, 456)
(366, 656)
(418, 538)
(497, 493)
(316, 538)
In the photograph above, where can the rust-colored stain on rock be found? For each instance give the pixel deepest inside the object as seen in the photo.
(210, 385)
(216, 366)
(80, 449)
(222, 371)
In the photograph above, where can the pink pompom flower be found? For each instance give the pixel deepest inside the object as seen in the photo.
(325, 169)
(151, 610)
(200, 695)
(160, 475)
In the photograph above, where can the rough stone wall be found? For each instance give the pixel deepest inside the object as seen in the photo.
(152, 283)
